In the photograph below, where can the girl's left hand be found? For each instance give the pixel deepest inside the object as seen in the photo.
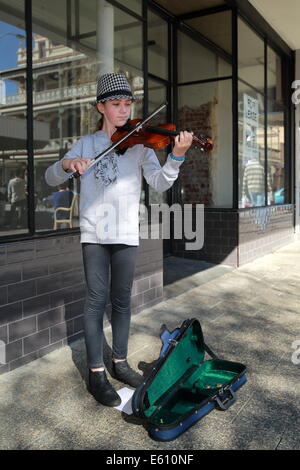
(183, 141)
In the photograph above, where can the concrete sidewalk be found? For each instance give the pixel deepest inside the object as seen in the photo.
(250, 314)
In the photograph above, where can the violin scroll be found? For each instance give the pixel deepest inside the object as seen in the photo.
(206, 144)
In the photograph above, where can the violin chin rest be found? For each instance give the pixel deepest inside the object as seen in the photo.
(125, 127)
(121, 151)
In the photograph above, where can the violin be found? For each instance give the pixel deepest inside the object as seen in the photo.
(155, 137)
(149, 136)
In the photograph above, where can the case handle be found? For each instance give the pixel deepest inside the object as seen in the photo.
(227, 402)
(210, 352)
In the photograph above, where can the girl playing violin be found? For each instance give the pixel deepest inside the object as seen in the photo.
(109, 226)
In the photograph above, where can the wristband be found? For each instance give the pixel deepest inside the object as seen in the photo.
(178, 159)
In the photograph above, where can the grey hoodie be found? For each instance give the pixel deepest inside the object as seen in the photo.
(110, 190)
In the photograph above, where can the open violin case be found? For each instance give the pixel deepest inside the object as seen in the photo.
(183, 387)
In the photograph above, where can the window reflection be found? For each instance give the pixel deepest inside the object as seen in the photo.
(275, 127)
(157, 93)
(64, 86)
(206, 178)
(13, 135)
(157, 46)
(251, 57)
(251, 148)
(275, 78)
(197, 62)
(275, 136)
(217, 28)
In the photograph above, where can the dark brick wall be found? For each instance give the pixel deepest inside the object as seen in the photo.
(42, 294)
(195, 173)
(238, 237)
(220, 239)
(263, 230)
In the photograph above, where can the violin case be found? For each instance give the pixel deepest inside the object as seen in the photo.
(182, 386)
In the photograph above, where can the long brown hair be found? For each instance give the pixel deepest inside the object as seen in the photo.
(100, 124)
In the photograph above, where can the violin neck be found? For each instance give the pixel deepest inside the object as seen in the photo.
(160, 131)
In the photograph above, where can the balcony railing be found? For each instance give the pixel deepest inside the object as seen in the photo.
(56, 95)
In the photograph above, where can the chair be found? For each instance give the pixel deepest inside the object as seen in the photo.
(69, 212)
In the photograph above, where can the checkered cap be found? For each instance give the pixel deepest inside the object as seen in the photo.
(113, 86)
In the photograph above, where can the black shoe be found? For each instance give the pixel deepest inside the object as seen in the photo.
(123, 372)
(102, 390)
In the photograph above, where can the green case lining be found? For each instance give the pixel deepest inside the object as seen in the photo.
(185, 379)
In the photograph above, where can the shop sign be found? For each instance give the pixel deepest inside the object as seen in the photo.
(250, 144)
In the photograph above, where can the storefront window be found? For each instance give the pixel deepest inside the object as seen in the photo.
(179, 8)
(134, 5)
(251, 142)
(157, 95)
(275, 78)
(206, 178)
(197, 62)
(157, 46)
(13, 129)
(64, 86)
(75, 41)
(275, 127)
(108, 35)
(215, 27)
(276, 142)
(261, 182)
(251, 57)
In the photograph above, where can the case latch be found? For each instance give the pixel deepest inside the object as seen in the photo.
(173, 342)
(229, 399)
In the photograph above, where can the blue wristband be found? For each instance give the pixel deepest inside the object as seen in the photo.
(178, 159)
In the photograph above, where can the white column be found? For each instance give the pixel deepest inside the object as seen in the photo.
(105, 37)
(297, 149)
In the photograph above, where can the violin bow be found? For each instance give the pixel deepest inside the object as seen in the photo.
(139, 125)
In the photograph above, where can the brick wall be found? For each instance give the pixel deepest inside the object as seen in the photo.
(42, 293)
(195, 174)
(220, 239)
(238, 237)
(264, 230)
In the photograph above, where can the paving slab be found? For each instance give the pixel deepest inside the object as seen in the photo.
(249, 315)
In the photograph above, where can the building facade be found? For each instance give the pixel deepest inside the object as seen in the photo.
(225, 74)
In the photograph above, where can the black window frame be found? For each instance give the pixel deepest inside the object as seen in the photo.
(239, 8)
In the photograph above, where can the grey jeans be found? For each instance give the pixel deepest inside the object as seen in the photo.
(97, 259)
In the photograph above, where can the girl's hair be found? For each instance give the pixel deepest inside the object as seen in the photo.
(99, 124)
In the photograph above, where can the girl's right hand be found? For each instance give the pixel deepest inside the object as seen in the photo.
(76, 164)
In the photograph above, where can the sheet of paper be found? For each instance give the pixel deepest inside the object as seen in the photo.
(125, 395)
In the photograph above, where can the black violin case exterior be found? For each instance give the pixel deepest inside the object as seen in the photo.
(182, 387)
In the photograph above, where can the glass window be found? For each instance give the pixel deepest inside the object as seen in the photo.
(109, 35)
(134, 5)
(297, 169)
(251, 147)
(64, 86)
(13, 130)
(276, 141)
(275, 77)
(251, 57)
(216, 28)
(42, 49)
(157, 46)
(157, 93)
(206, 178)
(87, 7)
(197, 62)
(178, 8)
